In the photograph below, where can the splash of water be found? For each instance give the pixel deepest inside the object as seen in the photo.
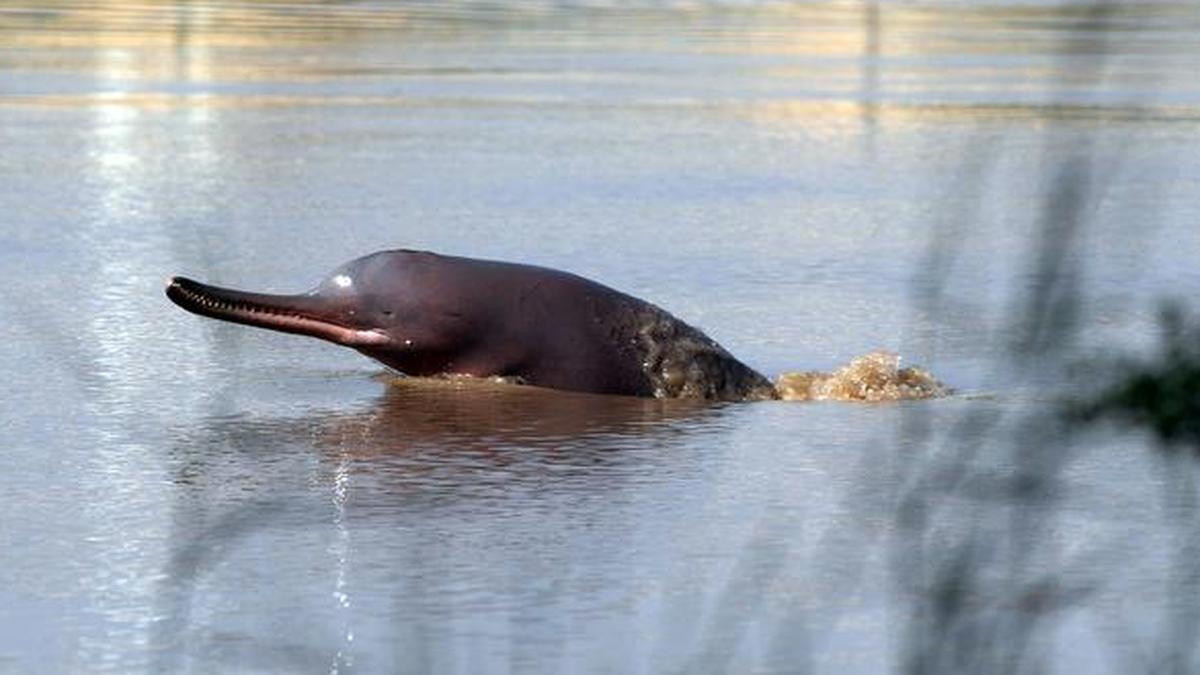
(876, 376)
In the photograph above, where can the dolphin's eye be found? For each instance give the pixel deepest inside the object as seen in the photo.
(387, 312)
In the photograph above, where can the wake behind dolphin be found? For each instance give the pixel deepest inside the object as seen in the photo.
(425, 314)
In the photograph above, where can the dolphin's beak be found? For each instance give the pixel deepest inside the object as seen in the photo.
(305, 314)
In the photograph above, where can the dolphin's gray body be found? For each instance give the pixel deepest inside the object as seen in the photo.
(426, 314)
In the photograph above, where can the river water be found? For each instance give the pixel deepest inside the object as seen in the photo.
(1003, 195)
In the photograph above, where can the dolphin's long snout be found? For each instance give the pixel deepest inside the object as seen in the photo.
(302, 314)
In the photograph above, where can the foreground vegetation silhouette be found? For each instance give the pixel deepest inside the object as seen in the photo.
(1163, 393)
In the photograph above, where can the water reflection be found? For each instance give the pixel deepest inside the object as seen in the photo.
(427, 454)
(437, 441)
(785, 57)
(434, 440)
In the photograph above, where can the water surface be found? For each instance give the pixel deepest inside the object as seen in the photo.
(807, 182)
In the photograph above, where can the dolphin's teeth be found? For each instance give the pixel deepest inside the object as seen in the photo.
(209, 303)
